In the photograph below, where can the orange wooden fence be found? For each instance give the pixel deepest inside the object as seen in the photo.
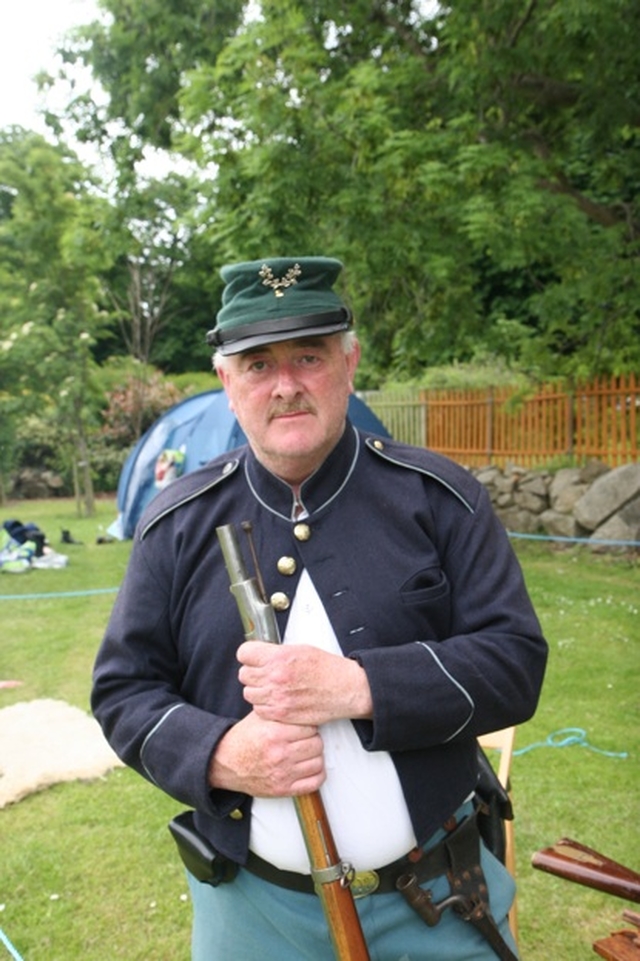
(501, 426)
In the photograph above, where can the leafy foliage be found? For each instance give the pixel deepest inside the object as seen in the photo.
(148, 286)
(52, 254)
(135, 405)
(82, 278)
(475, 166)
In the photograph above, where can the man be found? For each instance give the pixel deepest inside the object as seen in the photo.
(407, 632)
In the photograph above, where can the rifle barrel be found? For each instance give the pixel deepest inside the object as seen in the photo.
(259, 623)
(575, 862)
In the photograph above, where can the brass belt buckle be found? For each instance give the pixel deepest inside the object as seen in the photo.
(363, 883)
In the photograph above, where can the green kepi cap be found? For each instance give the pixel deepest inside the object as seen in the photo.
(265, 301)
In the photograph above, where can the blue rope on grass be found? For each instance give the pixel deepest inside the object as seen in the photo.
(568, 737)
(573, 540)
(38, 597)
(10, 948)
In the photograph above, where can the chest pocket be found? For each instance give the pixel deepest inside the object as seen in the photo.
(427, 595)
(428, 585)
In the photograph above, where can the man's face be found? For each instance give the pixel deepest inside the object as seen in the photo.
(291, 401)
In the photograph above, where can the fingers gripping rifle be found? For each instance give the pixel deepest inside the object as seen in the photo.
(330, 874)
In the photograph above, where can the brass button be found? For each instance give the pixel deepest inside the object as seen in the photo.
(378, 445)
(302, 532)
(287, 565)
(236, 814)
(280, 601)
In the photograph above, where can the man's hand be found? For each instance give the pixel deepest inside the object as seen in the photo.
(266, 759)
(299, 684)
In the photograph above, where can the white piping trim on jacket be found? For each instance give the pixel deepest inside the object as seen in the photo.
(192, 496)
(335, 494)
(150, 735)
(457, 684)
(421, 470)
(262, 502)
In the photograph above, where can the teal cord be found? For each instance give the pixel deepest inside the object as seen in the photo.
(568, 737)
(39, 597)
(10, 948)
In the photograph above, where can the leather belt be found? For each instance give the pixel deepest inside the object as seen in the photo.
(425, 865)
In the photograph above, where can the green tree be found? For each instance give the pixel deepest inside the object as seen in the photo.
(155, 230)
(52, 254)
(475, 165)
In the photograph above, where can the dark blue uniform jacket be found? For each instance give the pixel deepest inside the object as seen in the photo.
(420, 584)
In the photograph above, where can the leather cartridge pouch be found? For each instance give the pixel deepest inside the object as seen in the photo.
(198, 854)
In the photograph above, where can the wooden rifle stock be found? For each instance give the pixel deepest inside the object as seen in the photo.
(330, 874)
(573, 861)
(334, 892)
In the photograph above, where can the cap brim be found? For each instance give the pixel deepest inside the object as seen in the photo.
(260, 340)
(271, 331)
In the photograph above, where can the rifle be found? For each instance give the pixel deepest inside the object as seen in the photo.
(575, 862)
(331, 875)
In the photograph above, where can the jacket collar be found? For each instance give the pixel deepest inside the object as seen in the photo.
(317, 491)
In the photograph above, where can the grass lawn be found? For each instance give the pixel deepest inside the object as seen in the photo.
(89, 870)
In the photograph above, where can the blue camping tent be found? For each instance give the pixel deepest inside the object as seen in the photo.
(194, 431)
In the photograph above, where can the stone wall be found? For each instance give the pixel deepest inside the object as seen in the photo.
(594, 502)
(34, 482)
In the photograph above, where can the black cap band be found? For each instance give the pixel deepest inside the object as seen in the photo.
(244, 336)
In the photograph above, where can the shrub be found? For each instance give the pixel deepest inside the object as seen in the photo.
(135, 405)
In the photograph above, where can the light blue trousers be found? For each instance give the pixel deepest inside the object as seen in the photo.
(253, 920)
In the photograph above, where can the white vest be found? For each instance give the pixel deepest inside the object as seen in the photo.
(362, 794)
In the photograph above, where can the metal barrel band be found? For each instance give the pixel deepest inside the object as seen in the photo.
(335, 872)
(360, 883)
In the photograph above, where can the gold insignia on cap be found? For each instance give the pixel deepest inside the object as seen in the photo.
(280, 601)
(302, 532)
(279, 284)
(286, 565)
